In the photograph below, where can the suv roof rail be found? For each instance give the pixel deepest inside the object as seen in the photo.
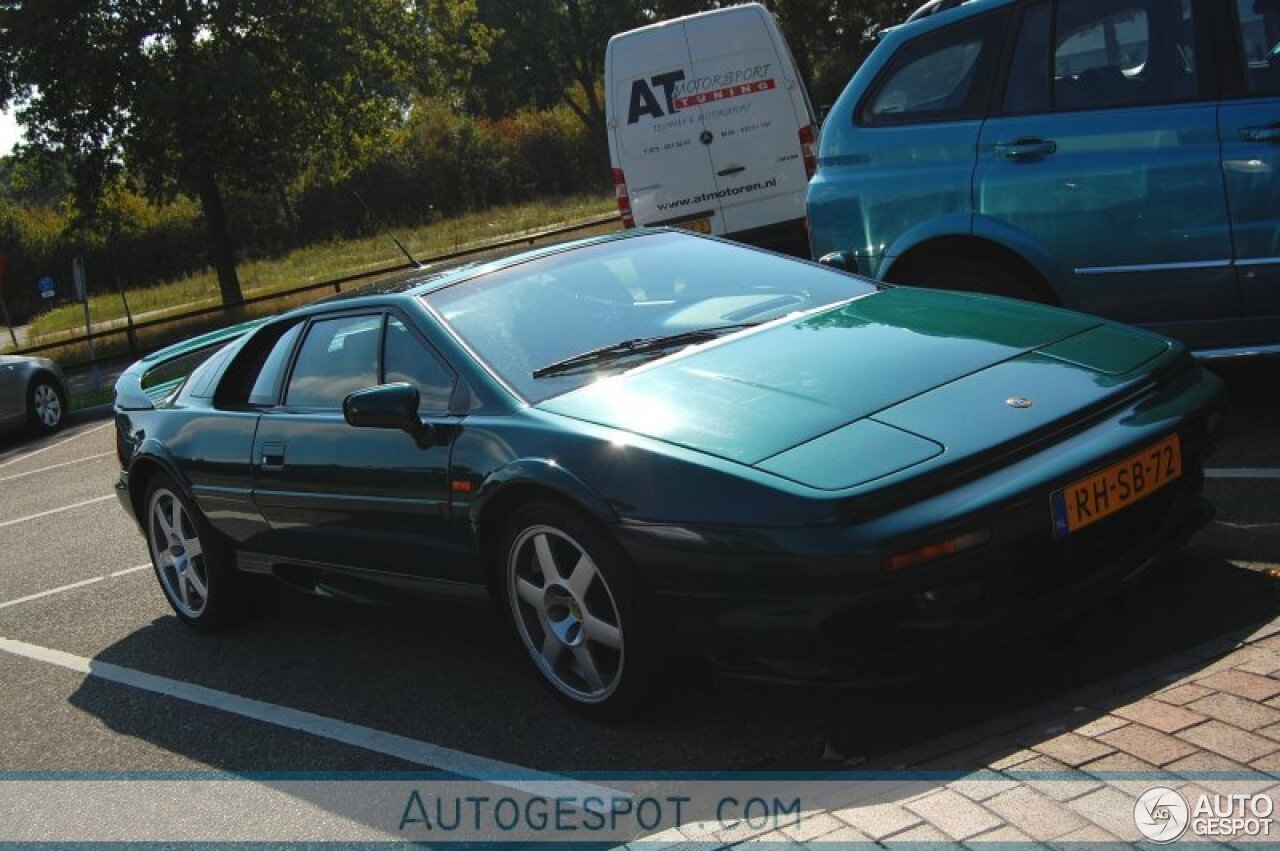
(933, 7)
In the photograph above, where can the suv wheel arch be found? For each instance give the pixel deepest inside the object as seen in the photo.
(970, 264)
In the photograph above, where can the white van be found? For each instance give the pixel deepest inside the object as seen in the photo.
(710, 127)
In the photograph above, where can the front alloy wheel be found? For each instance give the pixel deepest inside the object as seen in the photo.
(579, 610)
(565, 614)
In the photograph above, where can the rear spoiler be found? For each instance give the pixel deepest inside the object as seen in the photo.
(155, 376)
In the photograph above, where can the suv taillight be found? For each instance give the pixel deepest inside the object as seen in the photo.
(624, 200)
(809, 150)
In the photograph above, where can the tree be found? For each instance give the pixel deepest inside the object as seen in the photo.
(200, 97)
(831, 38)
(557, 46)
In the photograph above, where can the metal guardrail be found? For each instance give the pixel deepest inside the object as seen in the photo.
(131, 329)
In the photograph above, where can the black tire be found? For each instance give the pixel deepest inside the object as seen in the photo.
(46, 405)
(572, 618)
(204, 590)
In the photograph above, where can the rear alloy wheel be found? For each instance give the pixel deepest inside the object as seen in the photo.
(188, 560)
(46, 405)
(577, 610)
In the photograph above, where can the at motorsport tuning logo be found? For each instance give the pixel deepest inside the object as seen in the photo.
(679, 93)
(1161, 814)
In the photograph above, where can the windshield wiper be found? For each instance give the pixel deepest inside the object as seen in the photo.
(643, 345)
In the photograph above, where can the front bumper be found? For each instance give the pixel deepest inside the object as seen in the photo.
(815, 605)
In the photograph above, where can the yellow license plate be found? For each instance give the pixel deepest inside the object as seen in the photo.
(699, 225)
(1102, 494)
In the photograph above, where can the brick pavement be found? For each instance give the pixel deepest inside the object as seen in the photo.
(1206, 721)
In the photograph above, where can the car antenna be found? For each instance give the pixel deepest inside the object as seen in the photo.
(390, 235)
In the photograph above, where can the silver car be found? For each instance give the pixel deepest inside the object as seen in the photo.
(32, 392)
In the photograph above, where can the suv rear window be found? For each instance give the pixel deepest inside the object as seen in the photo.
(942, 75)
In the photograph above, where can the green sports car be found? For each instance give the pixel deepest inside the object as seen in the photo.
(657, 444)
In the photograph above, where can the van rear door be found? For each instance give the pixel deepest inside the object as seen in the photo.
(752, 106)
(668, 170)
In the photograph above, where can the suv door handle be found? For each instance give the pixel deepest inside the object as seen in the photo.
(272, 456)
(1026, 149)
(1261, 134)
(733, 169)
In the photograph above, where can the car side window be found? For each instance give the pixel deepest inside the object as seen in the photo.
(1110, 53)
(1259, 29)
(338, 357)
(406, 358)
(940, 76)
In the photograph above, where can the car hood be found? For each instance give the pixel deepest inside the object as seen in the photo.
(797, 397)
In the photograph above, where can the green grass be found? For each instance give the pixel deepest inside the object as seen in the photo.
(90, 398)
(318, 263)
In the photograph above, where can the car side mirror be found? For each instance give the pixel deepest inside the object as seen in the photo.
(842, 260)
(388, 406)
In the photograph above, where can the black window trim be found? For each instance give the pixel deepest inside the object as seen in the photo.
(862, 115)
(1001, 82)
(1233, 83)
(221, 390)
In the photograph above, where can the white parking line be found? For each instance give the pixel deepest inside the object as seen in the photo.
(1243, 473)
(74, 585)
(56, 466)
(81, 504)
(36, 452)
(367, 738)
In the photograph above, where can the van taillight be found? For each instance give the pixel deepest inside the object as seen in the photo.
(808, 149)
(624, 200)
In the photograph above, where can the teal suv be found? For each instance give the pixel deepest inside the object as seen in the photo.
(1112, 156)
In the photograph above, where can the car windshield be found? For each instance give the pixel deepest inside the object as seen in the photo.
(653, 294)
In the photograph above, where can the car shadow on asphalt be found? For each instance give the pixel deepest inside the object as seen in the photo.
(451, 675)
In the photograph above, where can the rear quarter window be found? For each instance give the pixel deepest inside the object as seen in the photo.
(942, 75)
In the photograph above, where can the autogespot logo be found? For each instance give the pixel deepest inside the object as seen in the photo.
(1161, 814)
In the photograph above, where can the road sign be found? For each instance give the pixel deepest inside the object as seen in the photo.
(45, 285)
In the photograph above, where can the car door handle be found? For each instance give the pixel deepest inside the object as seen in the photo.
(1026, 149)
(1270, 134)
(733, 169)
(272, 456)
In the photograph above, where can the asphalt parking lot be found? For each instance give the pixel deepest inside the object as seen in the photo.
(318, 685)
